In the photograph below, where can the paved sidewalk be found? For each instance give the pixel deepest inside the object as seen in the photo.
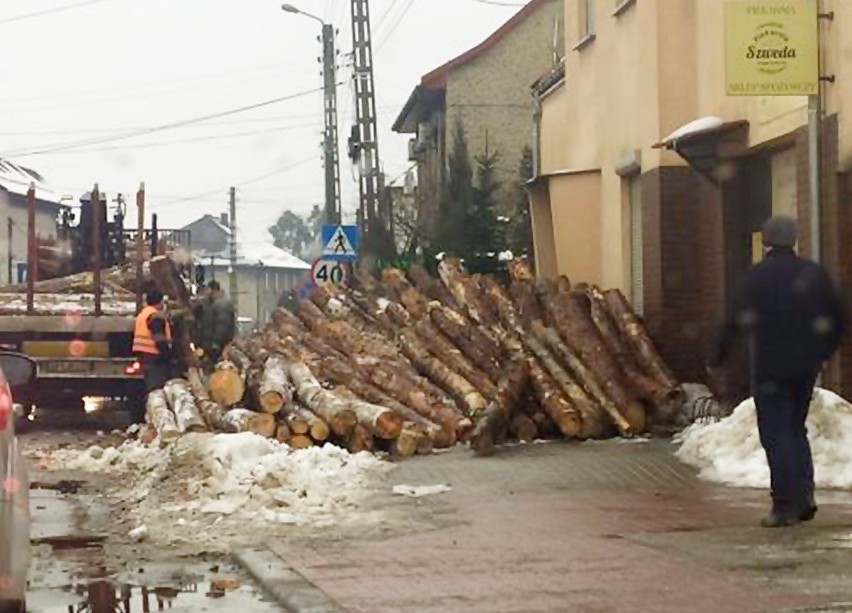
(604, 527)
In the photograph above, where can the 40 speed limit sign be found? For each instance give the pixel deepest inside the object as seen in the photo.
(330, 271)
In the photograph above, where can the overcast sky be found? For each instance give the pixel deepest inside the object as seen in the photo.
(105, 67)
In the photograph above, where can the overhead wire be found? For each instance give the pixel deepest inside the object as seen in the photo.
(241, 184)
(158, 128)
(401, 15)
(44, 12)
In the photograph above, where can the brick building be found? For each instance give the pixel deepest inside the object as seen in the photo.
(487, 90)
(650, 178)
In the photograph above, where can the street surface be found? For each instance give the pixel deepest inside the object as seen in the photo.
(78, 565)
(557, 527)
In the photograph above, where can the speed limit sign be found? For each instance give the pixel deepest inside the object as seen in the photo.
(329, 271)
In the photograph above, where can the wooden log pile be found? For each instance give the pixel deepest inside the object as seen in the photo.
(411, 363)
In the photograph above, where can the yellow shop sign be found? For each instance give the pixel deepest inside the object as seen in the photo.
(771, 48)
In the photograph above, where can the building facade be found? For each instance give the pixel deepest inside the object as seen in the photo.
(651, 179)
(14, 216)
(485, 89)
(263, 271)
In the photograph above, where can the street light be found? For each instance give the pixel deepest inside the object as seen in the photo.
(289, 8)
(332, 172)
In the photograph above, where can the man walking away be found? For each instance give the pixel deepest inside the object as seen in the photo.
(217, 322)
(794, 318)
(152, 342)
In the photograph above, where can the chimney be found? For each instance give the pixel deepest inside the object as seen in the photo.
(223, 219)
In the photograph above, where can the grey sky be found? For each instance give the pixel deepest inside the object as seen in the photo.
(98, 70)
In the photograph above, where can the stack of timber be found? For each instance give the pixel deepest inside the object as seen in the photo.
(409, 363)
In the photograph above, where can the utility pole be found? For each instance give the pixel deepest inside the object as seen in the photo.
(233, 247)
(330, 147)
(332, 159)
(366, 153)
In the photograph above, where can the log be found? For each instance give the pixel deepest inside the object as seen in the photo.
(406, 444)
(380, 422)
(274, 390)
(323, 403)
(315, 427)
(522, 290)
(158, 415)
(464, 290)
(123, 277)
(438, 372)
(282, 433)
(585, 376)
(460, 333)
(430, 287)
(165, 274)
(359, 440)
(211, 411)
(637, 336)
(494, 425)
(574, 323)
(402, 291)
(594, 420)
(566, 418)
(243, 420)
(182, 402)
(226, 385)
(523, 428)
(296, 421)
(238, 358)
(300, 441)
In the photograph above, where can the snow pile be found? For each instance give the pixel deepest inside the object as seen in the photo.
(729, 451)
(208, 490)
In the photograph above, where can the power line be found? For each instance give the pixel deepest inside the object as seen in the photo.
(57, 9)
(224, 190)
(260, 120)
(160, 128)
(403, 12)
(196, 139)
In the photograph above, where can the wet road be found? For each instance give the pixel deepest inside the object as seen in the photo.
(73, 568)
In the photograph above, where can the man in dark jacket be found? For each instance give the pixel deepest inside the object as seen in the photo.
(216, 322)
(794, 317)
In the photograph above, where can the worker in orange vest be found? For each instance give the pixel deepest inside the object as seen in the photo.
(152, 342)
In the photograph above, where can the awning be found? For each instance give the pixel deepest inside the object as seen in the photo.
(708, 143)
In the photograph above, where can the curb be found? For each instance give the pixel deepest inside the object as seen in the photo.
(287, 587)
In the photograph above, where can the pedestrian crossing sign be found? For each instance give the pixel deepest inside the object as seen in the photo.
(340, 243)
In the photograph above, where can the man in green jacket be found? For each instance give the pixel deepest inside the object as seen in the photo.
(216, 322)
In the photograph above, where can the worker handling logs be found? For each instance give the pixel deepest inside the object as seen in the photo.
(152, 343)
(216, 323)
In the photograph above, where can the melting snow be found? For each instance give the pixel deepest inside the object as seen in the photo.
(416, 491)
(226, 480)
(729, 451)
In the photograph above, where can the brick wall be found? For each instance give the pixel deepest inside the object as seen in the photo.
(671, 203)
(491, 94)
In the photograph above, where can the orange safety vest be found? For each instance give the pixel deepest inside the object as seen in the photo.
(143, 339)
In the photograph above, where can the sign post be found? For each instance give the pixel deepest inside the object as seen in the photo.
(772, 49)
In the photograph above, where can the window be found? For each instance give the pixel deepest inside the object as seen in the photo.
(586, 23)
(587, 18)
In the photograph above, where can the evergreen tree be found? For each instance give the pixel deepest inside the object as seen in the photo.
(458, 196)
(520, 230)
(481, 228)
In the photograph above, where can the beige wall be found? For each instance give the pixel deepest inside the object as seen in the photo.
(653, 68)
(490, 94)
(575, 208)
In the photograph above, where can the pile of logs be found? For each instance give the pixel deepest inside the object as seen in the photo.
(411, 363)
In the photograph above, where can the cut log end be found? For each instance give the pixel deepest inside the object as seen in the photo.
(226, 386)
(300, 441)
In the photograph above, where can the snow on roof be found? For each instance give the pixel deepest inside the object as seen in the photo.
(699, 125)
(256, 254)
(16, 179)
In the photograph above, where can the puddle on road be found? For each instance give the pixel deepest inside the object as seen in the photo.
(67, 576)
